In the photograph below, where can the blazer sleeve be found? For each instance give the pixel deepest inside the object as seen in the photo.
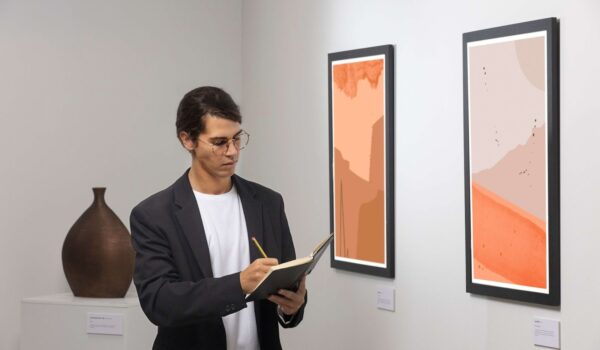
(165, 299)
(289, 253)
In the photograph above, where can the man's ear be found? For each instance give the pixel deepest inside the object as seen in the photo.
(186, 141)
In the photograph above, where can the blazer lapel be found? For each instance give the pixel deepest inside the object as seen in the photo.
(188, 215)
(253, 213)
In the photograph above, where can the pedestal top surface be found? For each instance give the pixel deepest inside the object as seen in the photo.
(70, 299)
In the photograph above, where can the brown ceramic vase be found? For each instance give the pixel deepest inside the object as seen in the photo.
(97, 255)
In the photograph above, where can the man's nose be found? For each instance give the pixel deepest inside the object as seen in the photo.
(231, 149)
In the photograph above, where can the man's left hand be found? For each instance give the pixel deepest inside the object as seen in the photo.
(290, 302)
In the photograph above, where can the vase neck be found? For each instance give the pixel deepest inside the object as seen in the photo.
(99, 195)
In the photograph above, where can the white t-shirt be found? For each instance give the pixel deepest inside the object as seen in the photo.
(227, 235)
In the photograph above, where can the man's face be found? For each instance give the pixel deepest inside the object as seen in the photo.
(209, 151)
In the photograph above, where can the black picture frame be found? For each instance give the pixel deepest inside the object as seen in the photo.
(535, 290)
(358, 263)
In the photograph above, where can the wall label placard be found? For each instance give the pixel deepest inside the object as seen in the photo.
(104, 323)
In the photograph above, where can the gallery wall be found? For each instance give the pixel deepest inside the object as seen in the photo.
(88, 94)
(285, 46)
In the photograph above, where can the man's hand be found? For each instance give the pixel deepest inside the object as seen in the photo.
(255, 272)
(290, 302)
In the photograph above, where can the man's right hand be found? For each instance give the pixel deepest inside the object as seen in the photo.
(255, 272)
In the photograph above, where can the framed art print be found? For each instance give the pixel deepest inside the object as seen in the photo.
(511, 137)
(361, 159)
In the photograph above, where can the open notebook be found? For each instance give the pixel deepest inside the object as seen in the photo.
(287, 275)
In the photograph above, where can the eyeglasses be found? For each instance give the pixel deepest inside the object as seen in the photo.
(220, 146)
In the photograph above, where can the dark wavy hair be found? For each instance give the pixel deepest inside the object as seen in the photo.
(203, 101)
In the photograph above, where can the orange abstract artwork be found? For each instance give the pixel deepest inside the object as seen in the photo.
(358, 107)
(508, 163)
(512, 161)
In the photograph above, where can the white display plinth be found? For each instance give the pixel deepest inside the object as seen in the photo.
(60, 321)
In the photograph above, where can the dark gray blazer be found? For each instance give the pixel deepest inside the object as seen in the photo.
(173, 273)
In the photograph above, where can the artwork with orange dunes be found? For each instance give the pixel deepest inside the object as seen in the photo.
(511, 162)
(360, 113)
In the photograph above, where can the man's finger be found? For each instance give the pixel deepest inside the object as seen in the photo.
(289, 294)
(282, 302)
(267, 261)
(264, 268)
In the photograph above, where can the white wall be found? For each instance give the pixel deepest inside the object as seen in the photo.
(285, 46)
(88, 94)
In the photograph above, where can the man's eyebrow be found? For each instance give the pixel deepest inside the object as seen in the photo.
(224, 137)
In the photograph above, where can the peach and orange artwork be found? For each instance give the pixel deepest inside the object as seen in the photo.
(358, 172)
(507, 114)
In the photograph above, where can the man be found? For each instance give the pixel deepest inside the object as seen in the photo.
(194, 260)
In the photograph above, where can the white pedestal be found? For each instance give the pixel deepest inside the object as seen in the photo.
(60, 322)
